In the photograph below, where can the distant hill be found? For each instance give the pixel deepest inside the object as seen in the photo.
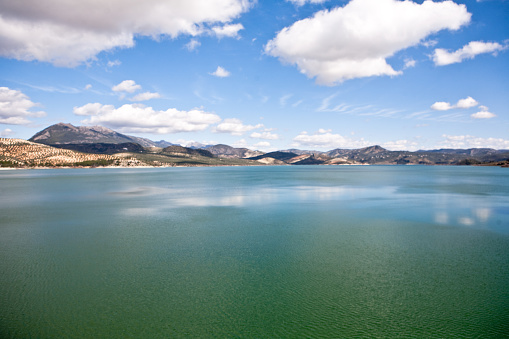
(225, 151)
(282, 156)
(185, 151)
(301, 152)
(101, 140)
(62, 133)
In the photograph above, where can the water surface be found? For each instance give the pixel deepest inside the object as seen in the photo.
(347, 251)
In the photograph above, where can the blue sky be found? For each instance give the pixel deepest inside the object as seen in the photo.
(267, 75)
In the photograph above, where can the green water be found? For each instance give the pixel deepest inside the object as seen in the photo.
(255, 252)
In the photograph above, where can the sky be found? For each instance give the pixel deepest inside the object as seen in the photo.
(266, 75)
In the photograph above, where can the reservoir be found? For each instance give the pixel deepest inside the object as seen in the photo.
(255, 252)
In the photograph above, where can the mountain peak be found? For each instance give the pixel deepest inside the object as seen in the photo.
(373, 149)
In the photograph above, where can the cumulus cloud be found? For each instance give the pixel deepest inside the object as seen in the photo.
(441, 106)
(267, 135)
(68, 33)
(468, 141)
(220, 72)
(138, 118)
(326, 139)
(231, 31)
(145, 96)
(128, 86)
(483, 115)
(401, 145)
(354, 41)
(443, 57)
(262, 144)
(468, 102)
(15, 107)
(234, 127)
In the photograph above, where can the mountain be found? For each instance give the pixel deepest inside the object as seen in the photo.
(301, 152)
(225, 151)
(185, 151)
(281, 156)
(62, 133)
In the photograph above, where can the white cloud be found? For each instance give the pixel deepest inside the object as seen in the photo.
(468, 141)
(231, 31)
(242, 143)
(220, 72)
(145, 96)
(192, 45)
(483, 115)
(441, 106)
(264, 135)
(68, 33)
(114, 63)
(284, 99)
(429, 43)
(468, 102)
(262, 144)
(302, 2)
(355, 40)
(6, 132)
(88, 86)
(15, 107)
(128, 86)
(138, 118)
(401, 145)
(326, 140)
(443, 57)
(235, 127)
(409, 63)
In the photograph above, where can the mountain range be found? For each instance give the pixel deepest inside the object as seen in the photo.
(102, 140)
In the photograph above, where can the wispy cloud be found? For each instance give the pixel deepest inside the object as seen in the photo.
(53, 89)
(192, 45)
(283, 100)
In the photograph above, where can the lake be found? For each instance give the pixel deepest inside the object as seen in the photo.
(255, 252)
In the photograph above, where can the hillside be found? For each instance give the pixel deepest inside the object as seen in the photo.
(22, 153)
(226, 151)
(103, 148)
